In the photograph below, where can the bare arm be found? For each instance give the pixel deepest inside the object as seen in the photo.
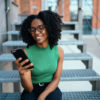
(25, 74)
(53, 85)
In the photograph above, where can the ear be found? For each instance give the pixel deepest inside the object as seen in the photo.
(32, 35)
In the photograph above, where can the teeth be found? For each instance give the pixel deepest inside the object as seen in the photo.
(38, 37)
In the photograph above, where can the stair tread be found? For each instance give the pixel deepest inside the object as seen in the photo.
(61, 42)
(70, 31)
(77, 56)
(79, 75)
(63, 32)
(71, 56)
(14, 43)
(13, 32)
(81, 95)
(72, 42)
(67, 75)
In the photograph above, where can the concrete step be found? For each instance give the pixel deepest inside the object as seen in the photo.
(81, 95)
(84, 57)
(81, 44)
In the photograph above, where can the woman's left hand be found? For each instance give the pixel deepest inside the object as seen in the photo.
(41, 97)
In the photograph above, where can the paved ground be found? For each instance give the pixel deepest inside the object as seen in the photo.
(92, 48)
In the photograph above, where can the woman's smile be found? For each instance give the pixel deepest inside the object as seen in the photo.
(39, 37)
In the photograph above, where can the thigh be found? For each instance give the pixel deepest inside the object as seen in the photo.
(55, 95)
(28, 96)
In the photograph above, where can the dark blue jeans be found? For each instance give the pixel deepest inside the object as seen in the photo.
(55, 95)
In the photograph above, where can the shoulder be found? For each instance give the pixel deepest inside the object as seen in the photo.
(25, 51)
(61, 52)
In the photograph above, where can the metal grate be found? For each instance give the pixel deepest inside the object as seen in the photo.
(77, 56)
(13, 32)
(71, 32)
(10, 96)
(87, 95)
(79, 75)
(72, 42)
(14, 43)
(72, 56)
(9, 76)
(21, 43)
(7, 57)
(67, 75)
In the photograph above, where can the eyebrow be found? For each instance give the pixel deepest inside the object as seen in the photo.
(37, 26)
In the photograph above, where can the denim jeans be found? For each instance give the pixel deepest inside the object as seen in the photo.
(55, 95)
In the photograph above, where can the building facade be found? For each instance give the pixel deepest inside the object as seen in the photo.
(68, 9)
(27, 7)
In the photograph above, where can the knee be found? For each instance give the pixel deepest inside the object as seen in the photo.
(56, 95)
(28, 96)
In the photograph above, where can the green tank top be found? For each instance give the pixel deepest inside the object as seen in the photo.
(44, 61)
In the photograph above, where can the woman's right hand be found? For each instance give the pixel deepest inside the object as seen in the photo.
(20, 67)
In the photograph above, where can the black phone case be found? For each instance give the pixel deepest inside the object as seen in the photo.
(20, 53)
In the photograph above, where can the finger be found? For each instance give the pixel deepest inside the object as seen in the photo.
(24, 62)
(27, 66)
(18, 60)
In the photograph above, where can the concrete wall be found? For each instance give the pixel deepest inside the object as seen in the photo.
(12, 14)
(2, 22)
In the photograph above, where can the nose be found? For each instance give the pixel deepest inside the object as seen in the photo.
(37, 32)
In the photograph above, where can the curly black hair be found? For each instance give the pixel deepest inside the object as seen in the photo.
(52, 22)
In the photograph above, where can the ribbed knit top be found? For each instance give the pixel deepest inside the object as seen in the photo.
(44, 61)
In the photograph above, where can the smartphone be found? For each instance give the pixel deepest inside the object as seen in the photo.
(20, 53)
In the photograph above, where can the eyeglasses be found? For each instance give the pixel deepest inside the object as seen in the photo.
(40, 28)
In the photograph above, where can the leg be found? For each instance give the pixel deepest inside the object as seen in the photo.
(55, 95)
(28, 96)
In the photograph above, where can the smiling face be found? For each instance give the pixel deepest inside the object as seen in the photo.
(39, 32)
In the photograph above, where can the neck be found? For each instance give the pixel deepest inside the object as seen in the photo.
(43, 45)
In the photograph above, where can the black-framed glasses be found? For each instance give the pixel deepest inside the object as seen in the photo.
(40, 28)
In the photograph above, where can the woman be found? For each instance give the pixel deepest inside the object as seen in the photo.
(41, 33)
